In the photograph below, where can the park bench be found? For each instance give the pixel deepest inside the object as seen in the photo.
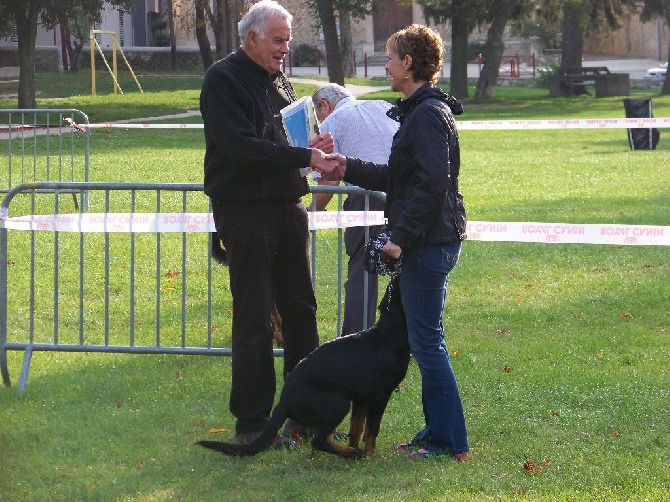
(573, 81)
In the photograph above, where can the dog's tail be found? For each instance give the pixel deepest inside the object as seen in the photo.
(218, 251)
(261, 443)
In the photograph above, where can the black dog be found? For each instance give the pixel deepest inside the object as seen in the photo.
(358, 372)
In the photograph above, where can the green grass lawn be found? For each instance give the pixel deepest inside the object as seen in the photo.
(561, 350)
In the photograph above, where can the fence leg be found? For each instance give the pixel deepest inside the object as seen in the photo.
(5, 370)
(25, 369)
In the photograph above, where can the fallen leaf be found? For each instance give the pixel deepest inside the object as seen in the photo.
(532, 468)
(214, 430)
(507, 369)
(625, 316)
(529, 466)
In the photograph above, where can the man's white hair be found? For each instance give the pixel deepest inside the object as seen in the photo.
(331, 92)
(258, 15)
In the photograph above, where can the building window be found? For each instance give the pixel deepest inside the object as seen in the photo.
(121, 28)
(98, 37)
(15, 34)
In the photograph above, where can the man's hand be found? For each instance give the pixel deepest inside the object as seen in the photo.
(323, 142)
(323, 164)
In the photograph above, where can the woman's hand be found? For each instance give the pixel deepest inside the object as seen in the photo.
(391, 249)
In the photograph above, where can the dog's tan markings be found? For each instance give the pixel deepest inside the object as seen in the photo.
(357, 422)
(344, 451)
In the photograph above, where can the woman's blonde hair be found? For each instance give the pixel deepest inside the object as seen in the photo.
(425, 48)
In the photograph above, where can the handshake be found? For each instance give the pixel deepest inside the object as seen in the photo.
(332, 166)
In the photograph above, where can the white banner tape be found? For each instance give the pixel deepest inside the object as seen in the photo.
(169, 222)
(611, 123)
(493, 231)
(569, 233)
(614, 123)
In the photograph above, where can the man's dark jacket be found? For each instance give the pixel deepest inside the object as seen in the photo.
(423, 204)
(247, 154)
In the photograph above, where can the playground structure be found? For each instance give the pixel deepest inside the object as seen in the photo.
(113, 70)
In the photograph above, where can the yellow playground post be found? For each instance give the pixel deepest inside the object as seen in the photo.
(113, 70)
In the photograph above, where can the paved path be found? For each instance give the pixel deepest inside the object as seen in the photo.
(356, 90)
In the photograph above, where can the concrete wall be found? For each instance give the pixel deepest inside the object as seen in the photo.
(633, 40)
(46, 58)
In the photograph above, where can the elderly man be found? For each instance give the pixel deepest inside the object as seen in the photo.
(360, 129)
(253, 178)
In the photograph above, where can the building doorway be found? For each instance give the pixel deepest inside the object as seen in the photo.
(389, 16)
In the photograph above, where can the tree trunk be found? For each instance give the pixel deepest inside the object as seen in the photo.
(573, 40)
(666, 83)
(26, 25)
(64, 44)
(346, 44)
(173, 36)
(201, 35)
(223, 42)
(73, 52)
(217, 23)
(493, 49)
(458, 82)
(333, 54)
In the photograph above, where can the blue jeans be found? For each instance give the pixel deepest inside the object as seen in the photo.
(423, 288)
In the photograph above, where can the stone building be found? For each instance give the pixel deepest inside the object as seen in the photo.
(145, 28)
(634, 40)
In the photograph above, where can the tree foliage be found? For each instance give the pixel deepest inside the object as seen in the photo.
(579, 17)
(330, 14)
(465, 16)
(26, 14)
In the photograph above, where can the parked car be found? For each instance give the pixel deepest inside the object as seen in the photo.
(658, 72)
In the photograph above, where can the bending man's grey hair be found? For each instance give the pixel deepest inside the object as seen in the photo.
(257, 17)
(332, 93)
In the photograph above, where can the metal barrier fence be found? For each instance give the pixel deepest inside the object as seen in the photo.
(133, 274)
(44, 145)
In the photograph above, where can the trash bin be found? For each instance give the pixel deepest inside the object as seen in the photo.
(640, 139)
